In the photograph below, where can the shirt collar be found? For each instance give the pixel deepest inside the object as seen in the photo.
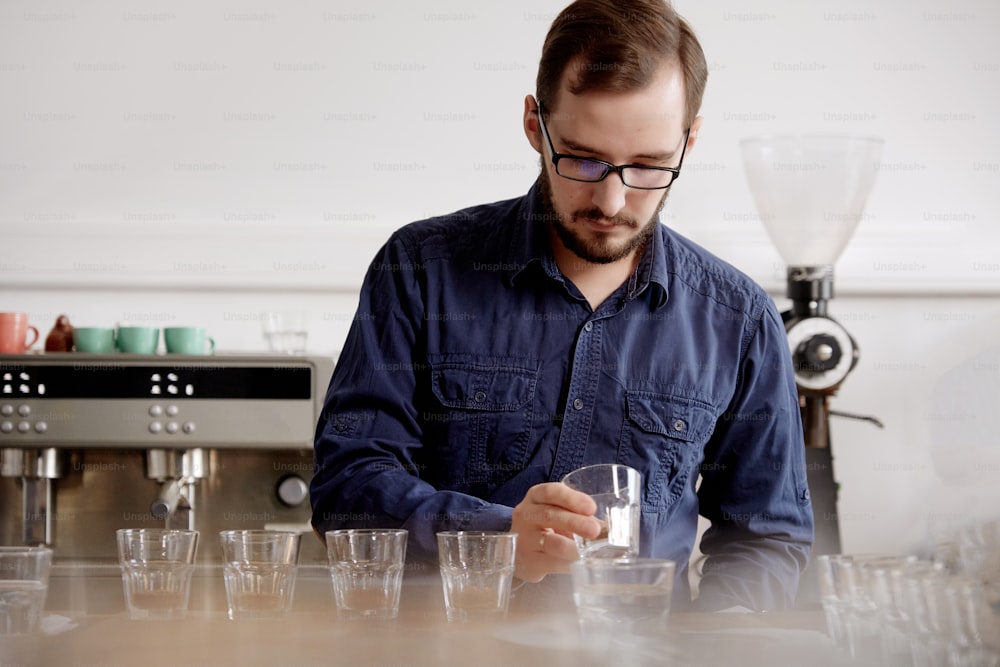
(530, 250)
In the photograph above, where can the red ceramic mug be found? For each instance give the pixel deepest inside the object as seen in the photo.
(14, 333)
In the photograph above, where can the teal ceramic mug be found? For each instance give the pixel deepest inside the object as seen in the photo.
(138, 340)
(188, 340)
(94, 340)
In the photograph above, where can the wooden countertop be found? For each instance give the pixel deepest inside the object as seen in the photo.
(91, 601)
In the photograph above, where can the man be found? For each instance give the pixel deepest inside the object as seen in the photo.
(501, 347)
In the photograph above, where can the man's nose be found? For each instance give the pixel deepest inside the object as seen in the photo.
(609, 195)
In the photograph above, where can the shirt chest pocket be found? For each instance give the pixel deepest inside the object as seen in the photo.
(484, 419)
(663, 437)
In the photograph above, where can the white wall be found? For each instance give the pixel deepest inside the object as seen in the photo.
(198, 162)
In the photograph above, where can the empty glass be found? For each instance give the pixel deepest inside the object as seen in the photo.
(366, 565)
(24, 581)
(259, 568)
(975, 629)
(833, 595)
(616, 490)
(157, 565)
(477, 568)
(286, 331)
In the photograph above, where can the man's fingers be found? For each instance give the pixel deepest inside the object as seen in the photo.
(560, 495)
(560, 547)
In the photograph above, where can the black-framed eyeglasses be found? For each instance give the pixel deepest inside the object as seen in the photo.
(592, 170)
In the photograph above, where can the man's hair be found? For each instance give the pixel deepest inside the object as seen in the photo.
(618, 46)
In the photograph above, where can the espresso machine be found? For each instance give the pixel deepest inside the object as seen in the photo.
(93, 443)
(810, 192)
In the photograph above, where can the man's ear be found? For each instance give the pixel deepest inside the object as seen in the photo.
(693, 134)
(530, 121)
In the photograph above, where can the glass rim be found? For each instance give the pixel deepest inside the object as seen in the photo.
(632, 563)
(157, 531)
(365, 531)
(595, 466)
(475, 533)
(258, 532)
(25, 549)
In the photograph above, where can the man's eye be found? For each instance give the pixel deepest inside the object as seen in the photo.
(589, 168)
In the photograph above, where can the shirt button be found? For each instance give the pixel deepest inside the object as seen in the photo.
(589, 326)
(480, 396)
(679, 425)
(578, 404)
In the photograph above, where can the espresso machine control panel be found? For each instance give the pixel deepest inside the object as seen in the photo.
(128, 401)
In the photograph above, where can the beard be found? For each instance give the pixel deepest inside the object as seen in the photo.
(596, 249)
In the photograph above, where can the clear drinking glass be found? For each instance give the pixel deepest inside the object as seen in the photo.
(979, 557)
(930, 621)
(24, 583)
(156, 566)
(286, 331)
(833, 595)
(623, 609)
(616, 489)
(366, 565)
(477, 568)
(259, 568)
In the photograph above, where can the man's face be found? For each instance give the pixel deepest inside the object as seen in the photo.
(606, 222)
(584, 232)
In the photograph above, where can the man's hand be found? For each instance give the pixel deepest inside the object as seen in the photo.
(545, 522)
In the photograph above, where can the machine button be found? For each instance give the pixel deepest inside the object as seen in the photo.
(6, 427)
(293, 490)
(6, 410)
(172, 410)
(188, 427)
(24, 427)
(24, 410)
(41, 427)
(155, 411)
(155, 427)
(172, 427)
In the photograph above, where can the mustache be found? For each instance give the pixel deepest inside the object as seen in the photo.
(596, 215)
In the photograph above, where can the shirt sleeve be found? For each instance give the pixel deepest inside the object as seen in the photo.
(368, 439)
(753, 487)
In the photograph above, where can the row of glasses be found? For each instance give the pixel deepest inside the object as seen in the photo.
(477, 568)
(366, 568)
(902, 611)
(259, 571)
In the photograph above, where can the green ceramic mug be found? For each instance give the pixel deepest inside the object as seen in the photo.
(188, 340)
(138, 340)
(94, 340)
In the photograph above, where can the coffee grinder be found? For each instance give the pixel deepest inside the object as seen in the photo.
(810, 192)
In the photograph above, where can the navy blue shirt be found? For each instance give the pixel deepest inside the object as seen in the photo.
(474, 370)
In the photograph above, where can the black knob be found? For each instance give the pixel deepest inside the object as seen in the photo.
(818, 354)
